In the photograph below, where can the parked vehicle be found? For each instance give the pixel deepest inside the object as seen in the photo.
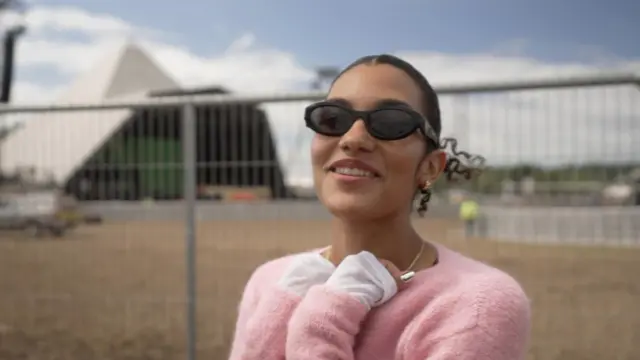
(39, 213)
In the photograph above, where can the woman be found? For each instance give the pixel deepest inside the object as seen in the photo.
(376, 145)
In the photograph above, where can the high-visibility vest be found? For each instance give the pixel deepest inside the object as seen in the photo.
(469, 210)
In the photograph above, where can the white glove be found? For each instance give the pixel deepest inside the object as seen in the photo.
(364, 277)
(305, 271)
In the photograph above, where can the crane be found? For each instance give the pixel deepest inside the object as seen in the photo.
(11, 34)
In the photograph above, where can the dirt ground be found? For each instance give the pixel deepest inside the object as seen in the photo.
(116, 291)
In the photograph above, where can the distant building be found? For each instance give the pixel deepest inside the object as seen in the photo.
(133, 155)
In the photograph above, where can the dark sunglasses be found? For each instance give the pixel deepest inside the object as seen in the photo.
(385, 123)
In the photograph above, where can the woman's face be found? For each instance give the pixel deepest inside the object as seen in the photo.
(382, 176)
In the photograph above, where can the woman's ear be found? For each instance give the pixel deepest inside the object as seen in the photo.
(432, 167)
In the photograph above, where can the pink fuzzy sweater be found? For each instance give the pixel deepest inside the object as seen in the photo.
(459, 309)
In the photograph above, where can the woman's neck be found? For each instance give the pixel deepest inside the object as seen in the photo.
(391, 239)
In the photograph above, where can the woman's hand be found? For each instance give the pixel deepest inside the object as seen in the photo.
(395, 273)
(370, 280)
(305, 271)
(329, 318)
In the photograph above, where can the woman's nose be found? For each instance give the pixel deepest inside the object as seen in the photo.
(357, 139)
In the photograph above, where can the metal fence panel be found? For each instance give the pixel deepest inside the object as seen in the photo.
(224, 181)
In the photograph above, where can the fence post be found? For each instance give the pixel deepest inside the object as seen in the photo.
(189, 172)
(462, 119)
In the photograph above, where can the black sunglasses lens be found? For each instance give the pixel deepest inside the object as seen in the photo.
(392, 124)
(330, 120)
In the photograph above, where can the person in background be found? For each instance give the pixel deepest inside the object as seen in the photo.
(469, 211)
(380, 290)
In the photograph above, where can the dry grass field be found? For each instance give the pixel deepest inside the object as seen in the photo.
(115, 291)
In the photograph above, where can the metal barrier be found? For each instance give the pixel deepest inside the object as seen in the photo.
(219, 161)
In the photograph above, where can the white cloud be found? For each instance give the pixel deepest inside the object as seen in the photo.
(64, 57)
(243, 43)
(65, 18)
(543, 126)
(44, 19)
(242, 68)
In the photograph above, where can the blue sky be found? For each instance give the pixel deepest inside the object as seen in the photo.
(332, 32)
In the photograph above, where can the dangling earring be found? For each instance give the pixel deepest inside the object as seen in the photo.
(425, 190)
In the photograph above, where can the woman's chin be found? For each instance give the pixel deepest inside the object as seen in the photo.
(352, 205)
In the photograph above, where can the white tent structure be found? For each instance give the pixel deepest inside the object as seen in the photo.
(130, 155)
(51, 146)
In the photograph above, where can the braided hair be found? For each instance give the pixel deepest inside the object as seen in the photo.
(460, 165)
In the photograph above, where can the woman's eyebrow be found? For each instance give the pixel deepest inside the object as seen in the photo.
(339, 101)
(378, 103)
(391, 102)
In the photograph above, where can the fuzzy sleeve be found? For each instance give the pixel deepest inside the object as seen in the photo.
(263, 315)
(500, 332)
(324, 326)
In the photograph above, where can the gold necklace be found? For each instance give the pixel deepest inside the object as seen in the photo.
(406, 273)
(415, 260)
